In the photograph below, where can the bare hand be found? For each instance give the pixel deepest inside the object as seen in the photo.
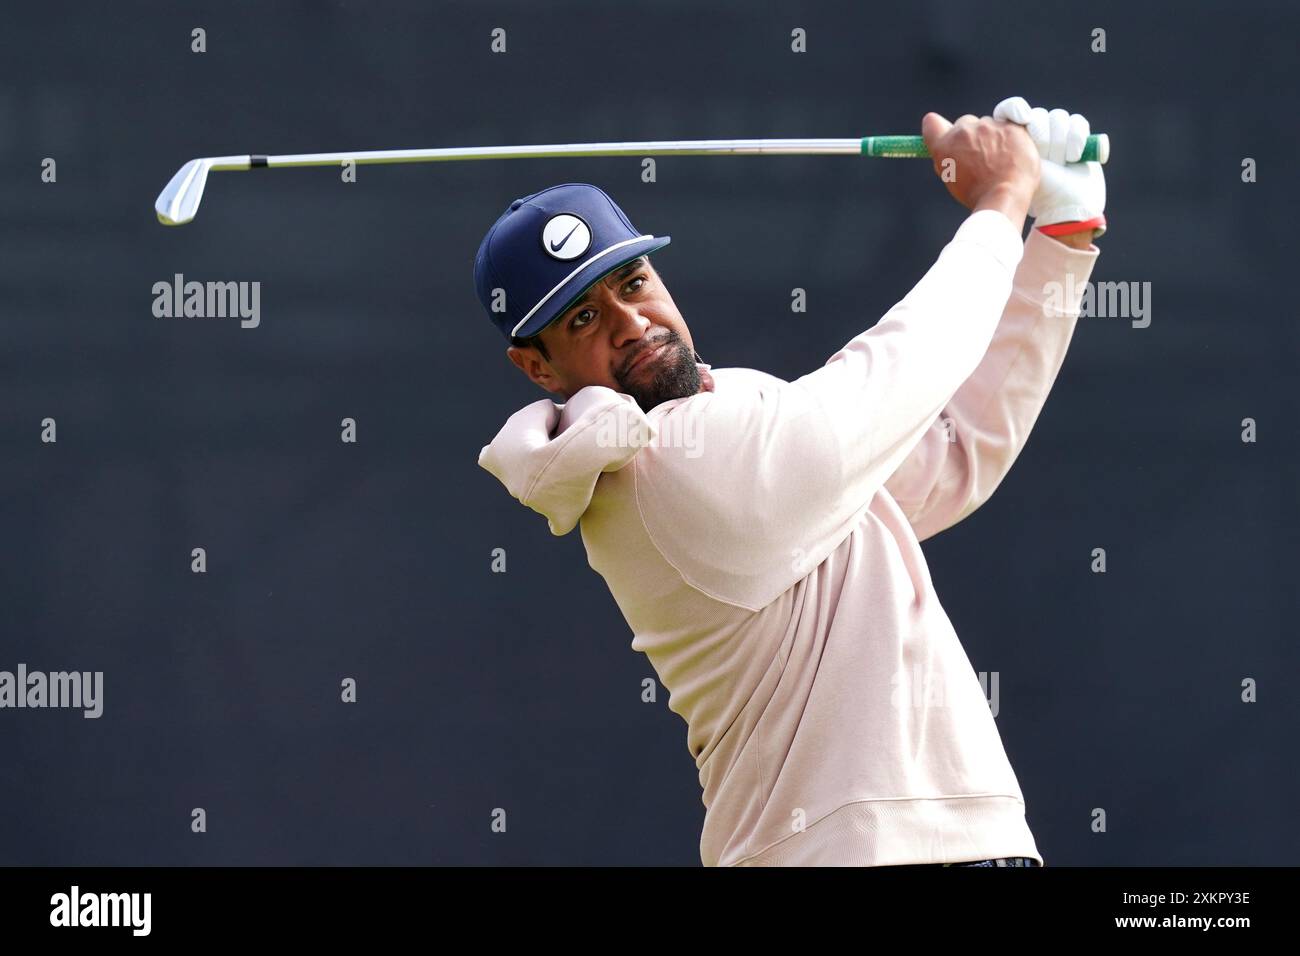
(985, 163)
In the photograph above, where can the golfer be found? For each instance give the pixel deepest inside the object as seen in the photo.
(762, 537)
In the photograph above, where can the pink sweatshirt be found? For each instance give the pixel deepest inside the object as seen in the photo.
(762, 541)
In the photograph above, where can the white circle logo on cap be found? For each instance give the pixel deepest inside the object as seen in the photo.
(565, 237)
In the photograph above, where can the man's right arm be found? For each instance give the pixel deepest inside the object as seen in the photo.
(876, 397)
(778, 481)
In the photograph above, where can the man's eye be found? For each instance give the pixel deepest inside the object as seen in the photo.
(636, 284)
(577, 322)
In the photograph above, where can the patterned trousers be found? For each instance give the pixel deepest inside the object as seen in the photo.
(1001, 861)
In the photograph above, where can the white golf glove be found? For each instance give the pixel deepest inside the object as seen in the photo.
(1067, 196)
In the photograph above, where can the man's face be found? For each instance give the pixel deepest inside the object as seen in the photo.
(625, 334)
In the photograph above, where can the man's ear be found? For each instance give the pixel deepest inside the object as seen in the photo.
(529, 361)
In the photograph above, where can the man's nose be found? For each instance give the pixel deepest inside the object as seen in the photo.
(629, 323)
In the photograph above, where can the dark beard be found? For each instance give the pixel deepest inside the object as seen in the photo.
(675, 376)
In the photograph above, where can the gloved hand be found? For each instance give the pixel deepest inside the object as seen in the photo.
(1069, 198)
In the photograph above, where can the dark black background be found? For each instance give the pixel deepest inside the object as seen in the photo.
(519, 690)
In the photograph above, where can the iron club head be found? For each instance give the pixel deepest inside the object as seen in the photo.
(178, 203)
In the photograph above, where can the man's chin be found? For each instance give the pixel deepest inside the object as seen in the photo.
(675, 375)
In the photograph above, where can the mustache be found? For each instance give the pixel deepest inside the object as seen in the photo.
(671, 338)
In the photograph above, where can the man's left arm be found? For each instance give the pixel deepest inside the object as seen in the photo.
(971, 446)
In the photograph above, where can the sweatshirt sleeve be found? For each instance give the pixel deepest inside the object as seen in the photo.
(875, 398)
(780, 477)
(970, 447)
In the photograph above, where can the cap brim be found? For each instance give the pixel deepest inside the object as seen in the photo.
(577, 287)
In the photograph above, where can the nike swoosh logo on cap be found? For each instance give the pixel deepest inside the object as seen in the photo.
(557, 246)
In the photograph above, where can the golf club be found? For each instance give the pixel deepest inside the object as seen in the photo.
(178, 203)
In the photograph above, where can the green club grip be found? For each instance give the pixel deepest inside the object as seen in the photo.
(1095, 150)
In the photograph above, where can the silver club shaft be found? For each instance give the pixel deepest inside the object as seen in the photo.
(178, 203)
(701, 147)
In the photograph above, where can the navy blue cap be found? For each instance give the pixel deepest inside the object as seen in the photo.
(549, 248)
